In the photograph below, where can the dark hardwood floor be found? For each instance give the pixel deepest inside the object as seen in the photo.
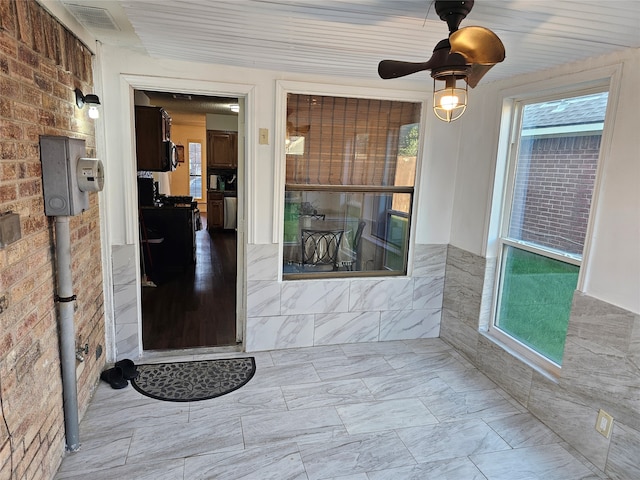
(197, 307)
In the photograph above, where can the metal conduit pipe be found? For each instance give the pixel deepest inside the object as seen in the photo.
(66, 300)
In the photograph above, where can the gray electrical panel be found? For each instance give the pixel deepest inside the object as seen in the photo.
(60, 156)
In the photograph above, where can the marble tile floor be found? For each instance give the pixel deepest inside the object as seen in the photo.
(400, 410)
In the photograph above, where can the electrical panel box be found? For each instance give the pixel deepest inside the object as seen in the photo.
(67, 177)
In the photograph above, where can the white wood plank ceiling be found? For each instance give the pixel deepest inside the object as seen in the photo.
(350, 37)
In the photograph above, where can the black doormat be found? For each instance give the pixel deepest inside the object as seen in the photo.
(193, 381)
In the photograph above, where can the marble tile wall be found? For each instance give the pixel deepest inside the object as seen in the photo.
(337, 311)
(601, 365)
(125, 294)
(462, 300)
(305, 313)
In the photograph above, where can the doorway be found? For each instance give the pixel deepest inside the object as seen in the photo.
(189, 304)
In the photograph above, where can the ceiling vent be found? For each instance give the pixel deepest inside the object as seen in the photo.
(92, 17)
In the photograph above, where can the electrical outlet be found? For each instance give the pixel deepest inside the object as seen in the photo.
(604, 423)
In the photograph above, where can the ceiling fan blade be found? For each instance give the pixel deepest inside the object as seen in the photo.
(478, 45)
(394, 68)
(476, 72)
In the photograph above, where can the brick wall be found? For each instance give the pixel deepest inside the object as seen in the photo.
(40, 65)
(555, 182)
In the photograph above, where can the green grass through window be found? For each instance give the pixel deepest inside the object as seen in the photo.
(535, 300)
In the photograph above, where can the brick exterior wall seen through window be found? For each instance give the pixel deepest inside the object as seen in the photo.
(554, 185)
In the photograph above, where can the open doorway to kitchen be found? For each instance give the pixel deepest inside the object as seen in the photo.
(188, 220)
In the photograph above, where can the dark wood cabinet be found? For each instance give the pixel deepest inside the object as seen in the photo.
(168, 238)
(222, 149)
(153, 139)
(215, 210)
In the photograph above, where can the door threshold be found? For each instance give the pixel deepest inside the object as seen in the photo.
(189, 352)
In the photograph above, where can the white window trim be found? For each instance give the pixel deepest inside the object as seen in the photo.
(603, 79)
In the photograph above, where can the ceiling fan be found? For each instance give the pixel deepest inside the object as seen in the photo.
(467, 54)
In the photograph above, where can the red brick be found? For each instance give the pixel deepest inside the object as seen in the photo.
(8, 193)
(29, 188)
(32, 132)
(47, 118)
(24, 23)
(43, 82)
(5, 107)
(9, 88)
(8, 20)
(25, 112)
(6, 343)
(38, 17)
(29, 152)
(30, 94)
(21, 71)
(8, 170)
(9, 129)
(28, 57)
(8, 45)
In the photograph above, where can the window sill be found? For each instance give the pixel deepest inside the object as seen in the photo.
(332, 275)
(533, 360)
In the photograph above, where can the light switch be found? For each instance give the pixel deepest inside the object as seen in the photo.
(263, 136)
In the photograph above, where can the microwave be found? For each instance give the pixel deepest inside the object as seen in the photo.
(169, 160)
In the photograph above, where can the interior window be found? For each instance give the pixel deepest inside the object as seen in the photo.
(350, 174)
(545, 220)
(195, 169)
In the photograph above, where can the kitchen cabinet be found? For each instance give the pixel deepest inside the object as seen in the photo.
(153, 139)
(222, 149)
(168, 238)
(215, 210)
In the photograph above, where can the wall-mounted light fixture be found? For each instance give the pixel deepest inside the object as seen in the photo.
(89, 99)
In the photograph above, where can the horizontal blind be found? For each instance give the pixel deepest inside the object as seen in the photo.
(347, 141)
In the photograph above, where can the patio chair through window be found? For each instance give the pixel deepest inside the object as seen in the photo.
(320, 249)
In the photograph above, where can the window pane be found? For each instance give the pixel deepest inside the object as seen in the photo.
(556, 171)
(195, 170)
(350, 173)
(558, 151)
(359, 217)
(535, 300)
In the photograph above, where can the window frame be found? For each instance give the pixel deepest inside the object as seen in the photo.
(202, 183)
(285, 87)
(508, 154)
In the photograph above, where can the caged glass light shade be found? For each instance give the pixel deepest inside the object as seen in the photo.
(449, 101)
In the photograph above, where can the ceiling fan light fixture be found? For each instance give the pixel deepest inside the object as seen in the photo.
(466, 55)
(450, 100)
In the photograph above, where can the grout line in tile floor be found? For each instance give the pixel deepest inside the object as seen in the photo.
(400, 410)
